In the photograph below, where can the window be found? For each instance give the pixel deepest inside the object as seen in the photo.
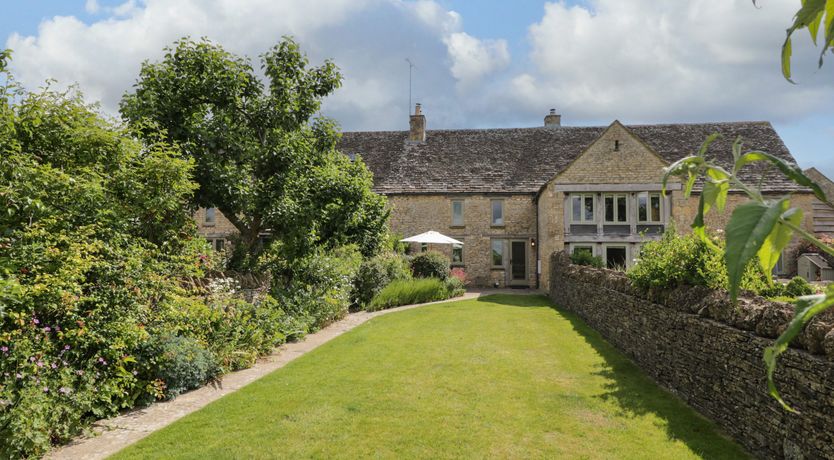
(616, 208)
(210, 216)
(615, 257)
(457, 213)
(648, 207)
(457, 254)
(497, 253)
(424, 247)
(219, 244)
(582, 208)
(497, 212)
(579, 249)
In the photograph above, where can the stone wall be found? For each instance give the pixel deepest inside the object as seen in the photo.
(414, 214)
(221, 228)
(695, 343)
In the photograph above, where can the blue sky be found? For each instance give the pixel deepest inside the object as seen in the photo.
(479, 63)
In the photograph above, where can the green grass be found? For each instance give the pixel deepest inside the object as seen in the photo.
(407, 292)
(504, 376)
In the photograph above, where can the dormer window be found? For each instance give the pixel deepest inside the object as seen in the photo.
(210, 216)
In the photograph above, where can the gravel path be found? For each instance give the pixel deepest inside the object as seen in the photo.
(112, 435)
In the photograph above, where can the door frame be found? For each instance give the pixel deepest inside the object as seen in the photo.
(526, 280)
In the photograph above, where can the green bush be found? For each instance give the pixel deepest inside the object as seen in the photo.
(176, 364)
(586, 258)
(375, 273)
(417, 290)
(798, 286)
(454, 287)
(430, 264)
(315, 289)
(676, 260)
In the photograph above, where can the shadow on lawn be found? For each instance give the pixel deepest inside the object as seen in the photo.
(634, 392)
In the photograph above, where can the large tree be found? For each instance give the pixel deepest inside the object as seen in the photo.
(263, 157)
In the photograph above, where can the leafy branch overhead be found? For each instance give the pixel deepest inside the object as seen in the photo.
(758, 230)
(813, 15)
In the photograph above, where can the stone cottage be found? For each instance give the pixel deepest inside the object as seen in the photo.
(514, 196)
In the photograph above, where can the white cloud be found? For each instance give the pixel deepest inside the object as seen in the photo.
(92, 6)
(368, 39)
(644, 60)
(472, 59)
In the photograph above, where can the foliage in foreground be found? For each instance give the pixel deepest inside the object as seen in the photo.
(418, 290)
(757, 230)
(98, 311)
(814, 15)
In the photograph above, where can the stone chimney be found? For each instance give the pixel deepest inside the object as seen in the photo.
(417, 126)
(552, 120)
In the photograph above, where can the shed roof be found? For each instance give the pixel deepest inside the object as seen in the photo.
(817, 260)
(522, 160)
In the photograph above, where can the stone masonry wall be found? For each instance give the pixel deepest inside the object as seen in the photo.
(414, 214)
(695, 343)
(221, 228)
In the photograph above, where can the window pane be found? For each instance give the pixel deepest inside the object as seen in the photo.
(622, 215)
(497, 252)
(655, 208)
(497, 212)
(577, 208)
(642, 212)
(457, 213)
(220, 244)
(210, 215)
(581, 249)
(609, 209)
(457, 254)
(589, 208)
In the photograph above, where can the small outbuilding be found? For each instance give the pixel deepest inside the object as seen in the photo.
(813, 267)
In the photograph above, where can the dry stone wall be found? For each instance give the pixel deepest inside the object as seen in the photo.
(695, 343)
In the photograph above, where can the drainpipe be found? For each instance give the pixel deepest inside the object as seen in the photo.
(538, 242)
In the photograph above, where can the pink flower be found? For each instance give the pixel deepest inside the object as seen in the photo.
(36, 320)
(54, 366)
(40, 363)
(46, 389)
(18, 376)
(66, 347)
(4, 349)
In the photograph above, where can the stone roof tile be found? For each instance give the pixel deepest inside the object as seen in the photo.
(522, 160)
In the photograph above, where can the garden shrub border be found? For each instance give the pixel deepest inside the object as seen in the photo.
(696, 343)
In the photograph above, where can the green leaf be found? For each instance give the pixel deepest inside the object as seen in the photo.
(793, 172)
(778, 239)
(806, 308)
(787, 52)
(749, 227)
(683, 167)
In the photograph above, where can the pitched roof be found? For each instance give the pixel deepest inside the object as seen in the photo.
(521, 160)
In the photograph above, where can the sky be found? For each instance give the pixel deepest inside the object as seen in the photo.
(478, 63)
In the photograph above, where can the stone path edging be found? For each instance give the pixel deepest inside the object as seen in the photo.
(114, 434)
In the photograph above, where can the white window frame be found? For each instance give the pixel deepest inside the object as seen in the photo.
(492, 221)
(461, 223)
(582, 219)
(503, 252)
(615, 196)
(649, 196)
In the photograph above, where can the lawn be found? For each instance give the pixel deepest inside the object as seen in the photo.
(503, 376)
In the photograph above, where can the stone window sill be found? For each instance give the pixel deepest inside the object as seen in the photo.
(457, 226)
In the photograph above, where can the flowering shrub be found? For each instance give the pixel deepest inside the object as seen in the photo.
(460, 274)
